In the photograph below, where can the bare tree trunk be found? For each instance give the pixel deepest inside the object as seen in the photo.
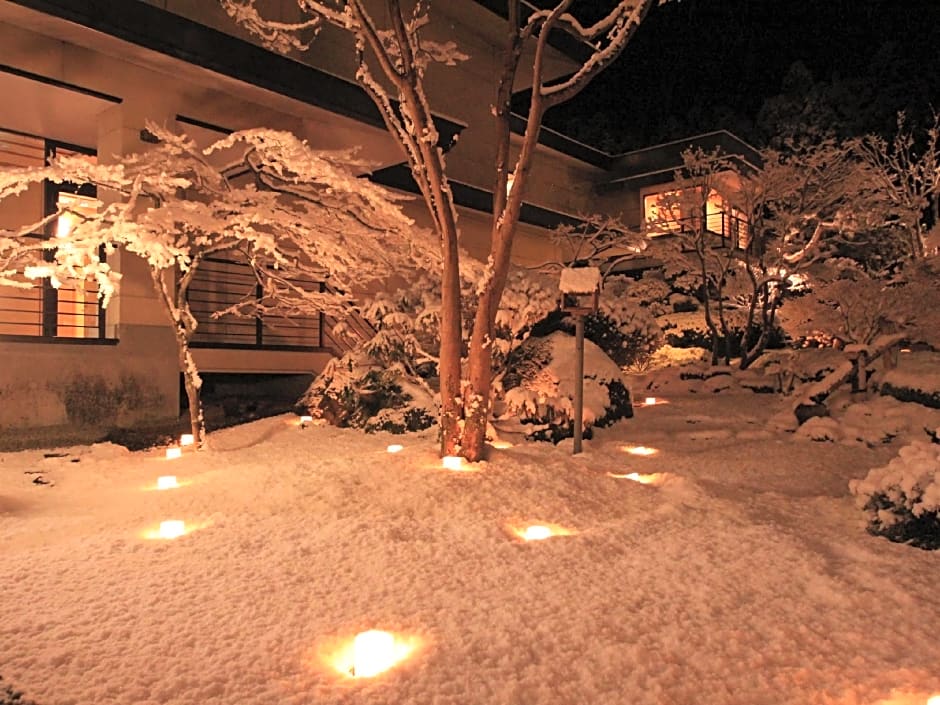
(193, 383)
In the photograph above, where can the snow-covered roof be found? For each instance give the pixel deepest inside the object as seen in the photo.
(583, 280)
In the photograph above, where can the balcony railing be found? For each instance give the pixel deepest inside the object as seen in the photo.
(221, 283)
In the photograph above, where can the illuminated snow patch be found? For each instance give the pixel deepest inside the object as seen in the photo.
(640, 450)
(167, 482)
(172, 529)
(539, 532)
(395, 448)
(174, 452)
(656, 478)
(371, 653)
(187, 439)
(501, 445)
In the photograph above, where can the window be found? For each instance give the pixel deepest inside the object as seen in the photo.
(44, 312)
(673, 211)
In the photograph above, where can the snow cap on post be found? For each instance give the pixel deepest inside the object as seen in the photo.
(580, 288)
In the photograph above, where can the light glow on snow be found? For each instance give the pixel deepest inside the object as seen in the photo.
(167, 482)
(395, 448)
(174, 452)
(934, 700)
(655, 478)
(172, 529)
(501, 445)
(539, 532)
(649, 401)
(371, 653)
(640, 450)
(452, 462)
(305, 420)
(187, 439)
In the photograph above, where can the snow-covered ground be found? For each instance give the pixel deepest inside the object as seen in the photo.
(741, 573)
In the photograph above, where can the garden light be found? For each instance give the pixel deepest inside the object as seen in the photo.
(167, 482)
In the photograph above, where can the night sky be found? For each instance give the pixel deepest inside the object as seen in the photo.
(700, 65)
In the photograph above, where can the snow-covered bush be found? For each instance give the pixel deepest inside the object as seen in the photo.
(9, 696)
(540, 388)
(902, 500)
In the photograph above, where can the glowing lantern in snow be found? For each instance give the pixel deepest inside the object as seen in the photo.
(173, 528)
(536, 532)
(649, 401)
(452, 462)
(305, 419)
(539, 532)
(934, 700)
(167, 482)
(187, 439)
(369, 653)
(640, 450)
(395, 448)
(501, 445)
(173, 452)
(650, 479)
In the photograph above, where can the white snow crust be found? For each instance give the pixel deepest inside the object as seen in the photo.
(741, 575)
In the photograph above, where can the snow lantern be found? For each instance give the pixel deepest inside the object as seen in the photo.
(395, 448)
(640, 450)
(173, 452)
(536, 532)
(452, 462)
(649, 401)
(305, 420)
(187, 439)
(580, 288)
(167, 482)
(172, 528)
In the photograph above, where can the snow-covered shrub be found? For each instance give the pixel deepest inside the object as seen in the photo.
(540, 392)
(902, 500)
(357, 391)
(9, 696)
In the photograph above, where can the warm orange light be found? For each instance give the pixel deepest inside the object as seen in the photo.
(933, 700)
(649, 401)
(501, 445)
(172, 529)
(907, 350)
(187, 439)
(452, 462)
(539, 532)
(371, 653)
(305, 419)
(655, 478)
(173, 452)
(640, 450)
(167, 482)
(395, 448)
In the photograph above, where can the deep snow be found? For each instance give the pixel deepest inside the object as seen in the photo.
(742, 575)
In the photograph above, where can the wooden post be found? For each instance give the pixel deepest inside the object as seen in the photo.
(578, 382)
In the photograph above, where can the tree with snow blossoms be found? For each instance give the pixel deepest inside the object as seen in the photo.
(258, 197)
(391, 64)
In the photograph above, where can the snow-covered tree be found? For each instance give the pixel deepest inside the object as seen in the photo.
(391, 61)
(907, 169)
(258, 197)
(808, 205)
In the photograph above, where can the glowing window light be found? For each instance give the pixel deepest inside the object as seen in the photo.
(640, 450)
(167, 482)
(452, 462)
(172, 528)
(174, 452)
(187, 439)
(395, 448)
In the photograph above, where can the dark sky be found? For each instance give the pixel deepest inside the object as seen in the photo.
(698, 65)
